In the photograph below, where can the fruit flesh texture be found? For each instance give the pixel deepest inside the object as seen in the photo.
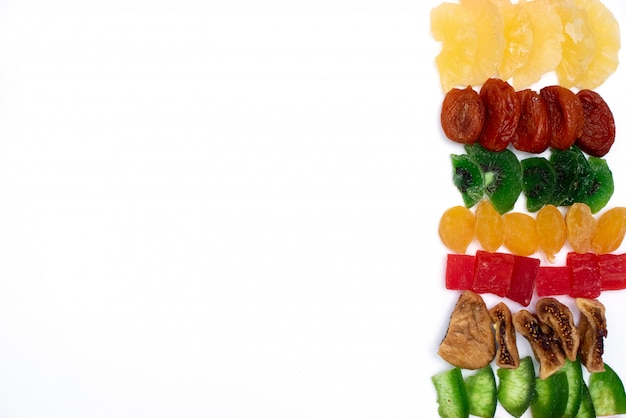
(610, 230)
(551, 230)
(520, 234)
(489, 226)
(456, 228)
(581, 227)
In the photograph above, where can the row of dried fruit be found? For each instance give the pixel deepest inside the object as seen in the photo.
(523, 234)
(531, 121)
(578, 39)
(478, 335)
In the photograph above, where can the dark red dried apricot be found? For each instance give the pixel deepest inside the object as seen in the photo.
(533, 131)
(502, 111)
(462, 115)
(565, 115)
(598, 131)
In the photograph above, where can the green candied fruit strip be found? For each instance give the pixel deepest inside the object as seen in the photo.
(550, 398)
(517, 387)
(607, 392)
(482, 393)
(574, 372)
(451, 394)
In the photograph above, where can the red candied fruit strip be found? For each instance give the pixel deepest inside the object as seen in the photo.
(612, 270)
(493, 272)
(553, 280)
(523, 281)
(586, 281)
(459, 271)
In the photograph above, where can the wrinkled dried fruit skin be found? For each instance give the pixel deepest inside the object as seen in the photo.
(469, 342)
(533, 131)
(542, 341)
(598, 130)
(507, 355)
(489, 226)
(561, 320)
(565, 115)
(592, 331)
(552, 231)
(581, 227)
(502, 112)
(462, 115)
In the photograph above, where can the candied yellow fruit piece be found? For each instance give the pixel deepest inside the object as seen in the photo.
(456, 228)
(489, 229)
(520, 233)
(581, 227)
(610, 231)
(551, 230)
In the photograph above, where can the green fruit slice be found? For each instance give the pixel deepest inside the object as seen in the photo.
(517, 387)
(481, 391)
(574, 373)
(451, 394)
(468, 178)
(607, 392)
(599, 189)
(586, 409)
(538, 182)
(503, 175)
(571, 169)
(550, 397)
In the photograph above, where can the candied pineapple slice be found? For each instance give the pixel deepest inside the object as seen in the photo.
(546, 51)
(606, 34)
(578, 42)
(518, 38)
(472, 41)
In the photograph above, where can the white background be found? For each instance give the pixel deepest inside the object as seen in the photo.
(227, 208)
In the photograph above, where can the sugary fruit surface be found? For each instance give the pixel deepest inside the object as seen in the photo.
(597, 187)
(456, 228)
(551, 230)
(598, 131)
(470, 52)
(462, 115)
(610, 230)
(489, 227)
(581, 227)
(538, 182)
(571, 167)
(468, 179)
(502, 112)
(520, 234)
(518, 38)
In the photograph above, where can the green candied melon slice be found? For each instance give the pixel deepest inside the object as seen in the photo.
(573, 371)
(482, 393)
(572, 172)
(451, 394)
(550, 397)
(607, 392)
(468, 178)
(503, 175)
(598, 190)
(517, 387)
(538, 182)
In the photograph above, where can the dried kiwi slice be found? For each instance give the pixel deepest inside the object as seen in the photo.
(598, 190)
(468, 178)
(503, 175)
(572, 169)
(538, 182)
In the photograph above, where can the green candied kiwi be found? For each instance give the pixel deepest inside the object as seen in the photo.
(503, 175)
(538, 182)
(482, 393)
(586, 409)
(571, 167)
(574, 372)
(599, 189)
(517, 387)
(468, 178)
(607, 392)
(550, 397)
(451, 394)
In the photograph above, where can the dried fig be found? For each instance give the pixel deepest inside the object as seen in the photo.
(507, 355)
(561, 320)
(592, 331)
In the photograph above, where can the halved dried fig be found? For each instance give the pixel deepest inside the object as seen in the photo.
(561, 320)
(469, 342)
(592, 331)
(507, 355)
(543, 342)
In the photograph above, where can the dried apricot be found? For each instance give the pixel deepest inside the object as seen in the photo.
(462, 115)
(598, 130)
(489, 228)
(520, 233)
(456, 228)
(610, 231)
(581, 227)
(502, 111)
(533, 131)
(565, 113)
(551, 230)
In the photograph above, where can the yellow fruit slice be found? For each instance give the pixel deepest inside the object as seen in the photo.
(578, 42)
(606, 33)
(545, 54)
(472, 41)
(518, 38)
